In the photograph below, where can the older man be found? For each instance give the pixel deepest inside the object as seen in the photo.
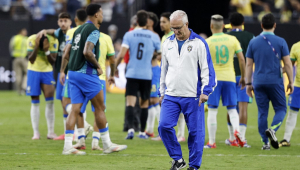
(189, 77)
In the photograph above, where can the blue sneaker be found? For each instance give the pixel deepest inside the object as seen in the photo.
(143, 136)
(130, 135)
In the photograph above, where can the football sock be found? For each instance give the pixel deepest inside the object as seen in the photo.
(129, 112)
(65, 120)
(96, 138)
(80, 133)
(291, 121)
(69, 108)
(234, 119)
(86, 124)
(68, 139)
(231, 132)
(157, 110)
(49, 114)
(243, 128)
(143, 118)
(35, 115)
(181, 125)
(180, 160)
(150, 120)
(212, 124)
(104, 133)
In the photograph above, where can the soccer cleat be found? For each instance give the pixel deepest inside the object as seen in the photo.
(238, 138)
(72, 151)
(191, 168)
(51, 136)
(178, 165)
(231, 143)
(143, 136)
(150, 134)
(36, 137)
(157, 138)
(114, 148)
(130, 135)
(96, 148)
(266, 147)
(88, 129)
(60, 137)
(209, 146)
(181, 139)
(284, 143)
(271, 135)
(80, 144)
(246, 144)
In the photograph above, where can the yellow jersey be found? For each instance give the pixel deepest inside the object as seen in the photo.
(166, 36)
(295, 56)
(41, 63)
(222, 48)
(246, 8)
(70, 33)
(106, 50)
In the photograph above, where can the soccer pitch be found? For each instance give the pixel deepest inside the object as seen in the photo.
(18, 151)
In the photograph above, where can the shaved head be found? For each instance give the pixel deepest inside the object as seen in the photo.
(217, 22)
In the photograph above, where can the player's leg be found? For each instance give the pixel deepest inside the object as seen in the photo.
(47, 86)
(213, 103)
(170, 109)
(152, 112)
(34, 90)
(80, 127)
(291, 120)
(195, 120)
(24, 68)
(262, 102)
(181, 128)
(18, 70)
(276, 94)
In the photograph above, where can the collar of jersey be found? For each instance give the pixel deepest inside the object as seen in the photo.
(192, 36)
(90, 22)
(267, 33)
(217, 34)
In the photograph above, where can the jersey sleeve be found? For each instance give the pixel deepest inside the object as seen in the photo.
(110, 47)
(285, 49)
(249, 53)
(125, 42)
(53, 46)
(293, 55)
(69, 37)
(157, 43)
(93, 37)
(30, 44)
(237, 46)
(56, 32)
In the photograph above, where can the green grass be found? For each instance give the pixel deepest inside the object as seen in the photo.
(18, 151)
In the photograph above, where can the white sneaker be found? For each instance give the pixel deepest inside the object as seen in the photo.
(88, 129)
(36, 137)
(115, 148)
(80, 144)
(96, 148)
(72, 151)
(181, 139)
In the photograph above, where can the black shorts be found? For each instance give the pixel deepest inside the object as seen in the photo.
(133, 86)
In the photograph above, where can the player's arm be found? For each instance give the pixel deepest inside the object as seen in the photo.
(249, 71)
(90, 56)
(64, 63)
(50, 56)
(163, 72)
(47, 31)
(289, 71)
(121, 56)
(242, 68)
(33, 54)
(112, 63)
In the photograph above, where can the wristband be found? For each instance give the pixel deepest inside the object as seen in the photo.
(47, 52)
(248, 84)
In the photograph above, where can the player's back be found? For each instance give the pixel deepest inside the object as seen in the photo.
(295, 56)
(142, 43)
(222, 48)
(106, 50)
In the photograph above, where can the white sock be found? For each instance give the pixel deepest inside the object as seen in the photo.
(96, 137)
(68, 141)
(81, 133)
(181, 125)
(231, 133)
(50, 116)
(212, 125)
(35, 117)
(157, 112)
(86, 124)
(150, 120)
(104, 133)
(234, 119)
(130, 130)
(69, 108)
(65, 120)
(76, 133)
(291, 121)
(243, 132)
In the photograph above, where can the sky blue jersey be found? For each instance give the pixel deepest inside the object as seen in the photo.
(141, 43)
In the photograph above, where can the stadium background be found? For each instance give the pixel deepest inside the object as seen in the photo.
(14, 15)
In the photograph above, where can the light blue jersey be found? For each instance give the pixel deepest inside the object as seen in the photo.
(141, 43)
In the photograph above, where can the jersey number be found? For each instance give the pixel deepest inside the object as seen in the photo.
(140, 51)
(223, 53)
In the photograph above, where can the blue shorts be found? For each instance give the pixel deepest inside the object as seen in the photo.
(83, 86)
(59, 88)
(103, 84)
(35, 79)
(155, 81)
(225, 89)
(294, 99)
(241, 94)
(66, 89)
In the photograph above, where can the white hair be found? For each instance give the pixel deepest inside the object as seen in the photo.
(179, 14)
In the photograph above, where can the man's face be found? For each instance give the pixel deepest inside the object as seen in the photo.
(164, 24)
(64, 23)
(149, 23)
(99, 15)
(179, 28)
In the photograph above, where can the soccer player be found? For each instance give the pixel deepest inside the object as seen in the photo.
(64, 22)
(84, 81)
(142, 43)
(42, 53)
(222, 48)
(294, 99)
(266, 51)
(244, 37)
(187, 72)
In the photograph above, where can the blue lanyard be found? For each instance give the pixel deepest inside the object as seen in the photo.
(269, 42)
(236, 30)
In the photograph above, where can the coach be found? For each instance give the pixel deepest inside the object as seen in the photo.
(266, 51)
(187, 79)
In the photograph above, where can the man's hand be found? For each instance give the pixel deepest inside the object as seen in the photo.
(242, 83)
(290, 88)
(111, 80)
(249, 90)
(203, 98)
(161, 99)
(99, 71)
(42, 32)
(62, 77)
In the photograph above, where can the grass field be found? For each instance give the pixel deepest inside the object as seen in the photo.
(18, 151)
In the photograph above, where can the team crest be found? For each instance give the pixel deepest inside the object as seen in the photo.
(76, 41)
(54, 45)
(190, 48)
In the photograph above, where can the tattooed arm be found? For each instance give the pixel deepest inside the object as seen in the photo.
(90, 56)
